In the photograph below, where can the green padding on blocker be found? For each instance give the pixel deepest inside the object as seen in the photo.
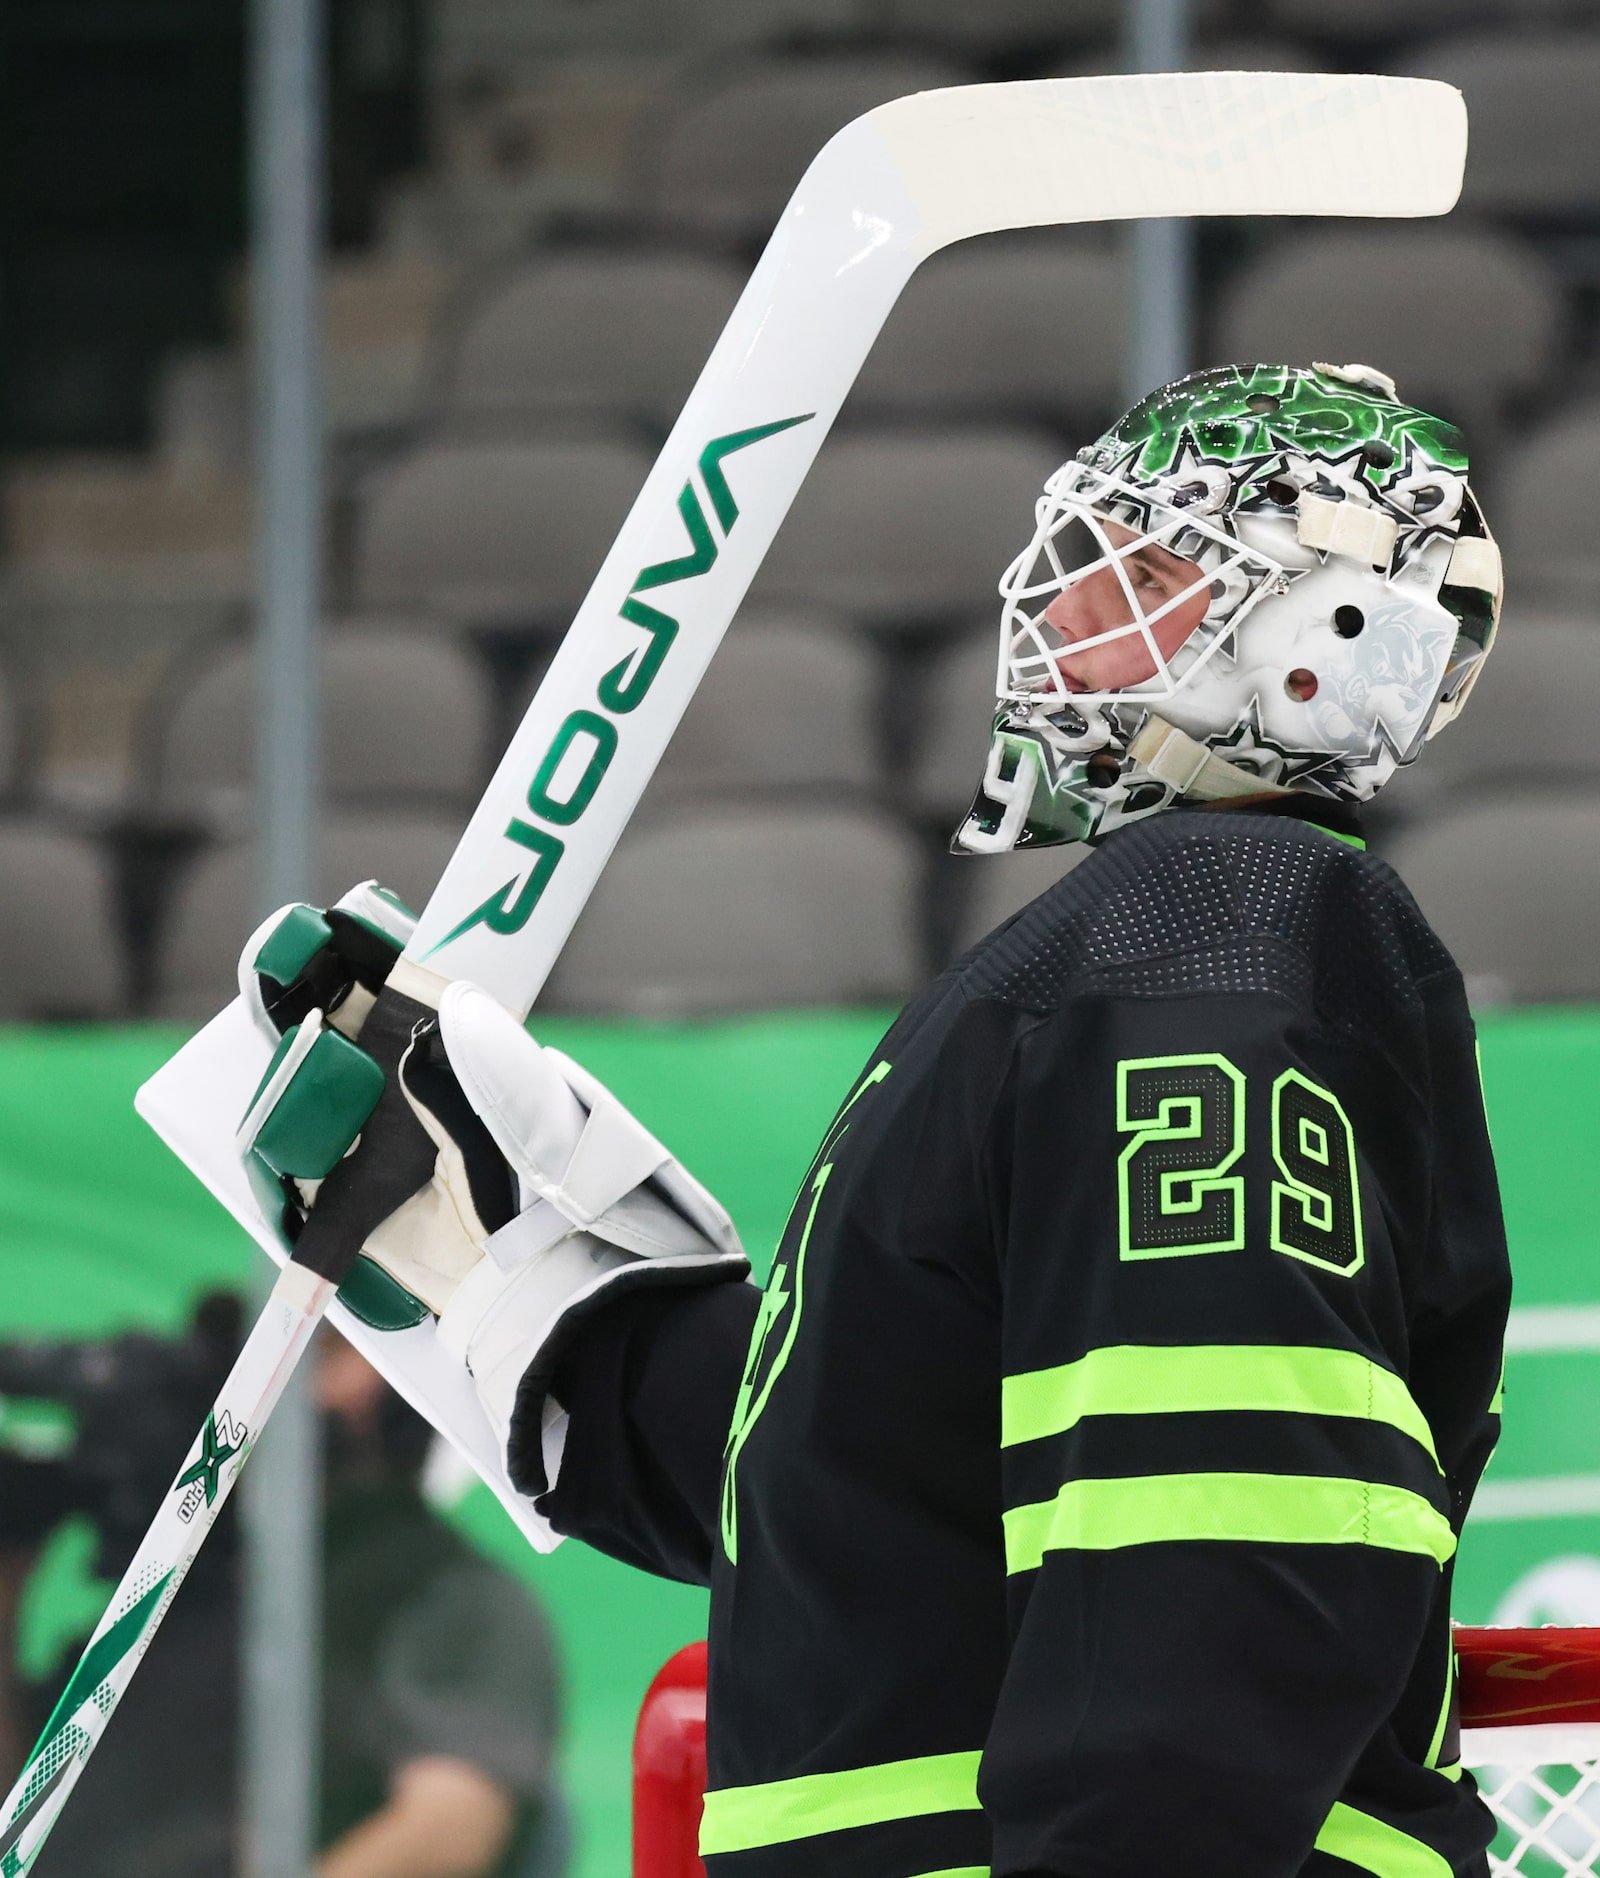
(324, 1108)
(738, 1819)
(381, 1302)
(293, 943)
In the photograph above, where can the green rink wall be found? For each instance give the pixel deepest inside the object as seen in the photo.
(102, 1230)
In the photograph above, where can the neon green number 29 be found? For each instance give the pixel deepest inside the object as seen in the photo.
(1174, 1194)
(1316, 1207)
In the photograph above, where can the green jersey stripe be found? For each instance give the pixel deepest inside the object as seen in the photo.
(1370, 1845)
(958, 1871)
(738, 1819)
(1153, 1379)
(1269, 1509)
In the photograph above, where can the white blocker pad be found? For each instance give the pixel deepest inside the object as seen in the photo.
(194, 1104)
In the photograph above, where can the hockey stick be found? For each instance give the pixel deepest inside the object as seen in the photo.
(889, 190)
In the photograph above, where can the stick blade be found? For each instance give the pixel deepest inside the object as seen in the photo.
(981, 157)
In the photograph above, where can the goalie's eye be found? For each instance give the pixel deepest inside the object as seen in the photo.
(1282, 492)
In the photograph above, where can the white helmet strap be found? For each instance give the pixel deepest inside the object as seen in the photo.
(1185, 764)
(1475, 562)
(1366, 535)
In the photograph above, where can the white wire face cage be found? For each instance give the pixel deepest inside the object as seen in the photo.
(1072, 544)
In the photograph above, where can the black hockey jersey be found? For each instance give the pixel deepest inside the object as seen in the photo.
(1080, 1495)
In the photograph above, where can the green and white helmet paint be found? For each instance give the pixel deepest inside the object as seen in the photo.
(1352, 593)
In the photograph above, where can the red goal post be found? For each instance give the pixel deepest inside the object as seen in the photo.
(1530, 1717)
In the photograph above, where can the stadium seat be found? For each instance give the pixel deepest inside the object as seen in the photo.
(1252, 52)
(1513, 887)
(723, 155)
(1532, 98)
(1463, 320)
(999, 25)
(909, 530)
(60, 958)
(405, 715)
(1381, 20)
(493, 533)
(1529, 720)
(1003, 884)
(11, 734)
(760, 22)
(1547, 494)
(1238, 52)
(727, 909)
(218, 900)
(786, 704)
(953, 725)
(610, 333)
(1025, 327)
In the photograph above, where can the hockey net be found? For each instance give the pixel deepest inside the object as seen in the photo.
(1530, 1713)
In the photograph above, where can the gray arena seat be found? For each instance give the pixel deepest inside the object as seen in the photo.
(405, 715)
(727, 909)
(59, 952)
(999, 24)
(953, 724)
(216, 905)
(1003, 884)
(787, 704)
(1532, 98)
(909, 530)
(1238, 52)
(1547, 494)
(722, 157)
(1530, 720)
(493, 533)
(1513, 887)
(1252, 52)
(1462, 319)
(607, 333)
(11, 733)
(1384, 19)
(1029, 327)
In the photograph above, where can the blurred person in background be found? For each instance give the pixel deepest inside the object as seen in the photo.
(441, 1689)
(96, 1431)
(440, 1681)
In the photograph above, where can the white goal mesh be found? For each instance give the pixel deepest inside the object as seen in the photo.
(1544, 1787)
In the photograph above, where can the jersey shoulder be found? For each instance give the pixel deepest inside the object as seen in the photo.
(1216, 901)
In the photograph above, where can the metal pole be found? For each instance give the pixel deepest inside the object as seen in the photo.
(1161, 338)
(282, 1485)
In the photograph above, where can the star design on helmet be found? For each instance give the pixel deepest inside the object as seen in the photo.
(1247, 746)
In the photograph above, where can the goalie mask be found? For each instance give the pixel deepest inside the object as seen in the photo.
(1262, 578)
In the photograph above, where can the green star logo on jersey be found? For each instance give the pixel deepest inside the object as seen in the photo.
(216, 1447)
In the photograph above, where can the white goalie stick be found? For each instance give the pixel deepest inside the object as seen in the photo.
(890, 189)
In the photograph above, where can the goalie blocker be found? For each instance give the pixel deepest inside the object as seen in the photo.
(544, 1198)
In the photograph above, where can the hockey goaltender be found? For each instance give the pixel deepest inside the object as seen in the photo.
(1079, 1497)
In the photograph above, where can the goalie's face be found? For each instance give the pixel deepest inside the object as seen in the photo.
(1104, 614)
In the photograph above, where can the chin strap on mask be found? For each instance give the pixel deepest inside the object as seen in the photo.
(1190, 767)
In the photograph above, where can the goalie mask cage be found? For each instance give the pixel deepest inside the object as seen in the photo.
(1530, 1715)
